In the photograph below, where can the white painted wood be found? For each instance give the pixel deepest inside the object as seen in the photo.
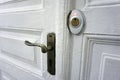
(4, 1)
(95, 52)
(102, 2)
(21, 5)
(101, 57)
(32, 20)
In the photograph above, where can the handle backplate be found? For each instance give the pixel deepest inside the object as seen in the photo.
(49, 49)
(51, 53)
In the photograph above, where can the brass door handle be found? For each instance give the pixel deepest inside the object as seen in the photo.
(50, 49)
(44, 49)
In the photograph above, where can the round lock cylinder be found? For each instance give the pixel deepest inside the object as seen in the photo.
(76, 22)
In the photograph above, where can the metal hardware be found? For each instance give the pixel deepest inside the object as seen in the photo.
(51, 53)
(42, 46)
(50, 49)
(75, 21)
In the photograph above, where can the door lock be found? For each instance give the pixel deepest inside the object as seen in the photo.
(75, 21)
(49, 49)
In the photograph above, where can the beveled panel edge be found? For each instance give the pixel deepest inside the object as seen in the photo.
(104, 57)
(101, 3)
(88, 42)
(38, 71)
(23, 67)
(21, 9)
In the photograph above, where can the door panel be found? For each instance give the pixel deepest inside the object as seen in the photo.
(6, 76)
(102, 2)
(30, 20)
(20, 5)
(101, 61)
(102, 20)
(13, 47)
(16, 52)
(19, 48)
(96, 50)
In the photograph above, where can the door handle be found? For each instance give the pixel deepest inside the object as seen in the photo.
(44, 49)
(49, 49)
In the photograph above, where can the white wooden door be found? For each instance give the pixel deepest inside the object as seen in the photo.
(95, 54)
(30, 20)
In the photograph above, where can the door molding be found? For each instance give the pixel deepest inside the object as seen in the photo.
(19, 9)
(88, 45)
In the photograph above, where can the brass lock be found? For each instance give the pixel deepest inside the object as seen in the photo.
(75, 22)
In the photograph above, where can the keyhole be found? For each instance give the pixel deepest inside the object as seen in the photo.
(75, 22)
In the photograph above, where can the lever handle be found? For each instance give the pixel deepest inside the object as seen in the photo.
(44, 49)
(50, 49)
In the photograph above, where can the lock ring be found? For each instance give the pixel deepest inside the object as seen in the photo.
(78, 29)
